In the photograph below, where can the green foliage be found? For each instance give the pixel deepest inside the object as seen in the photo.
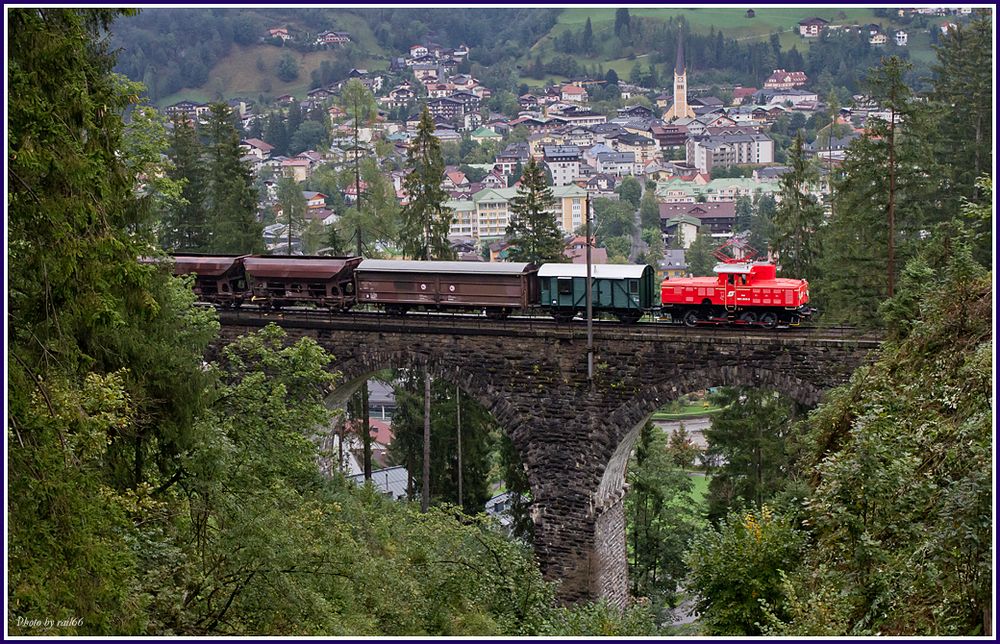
(532, 230)
(699, 257)
(288, 68)
(961, 99)
(183, 226)
(425, 219)
(515, 478)
(900, 515)
(655, 252)
(649, 209)
(618, 249)
(407, 446)
(293, 209)
(751, 436)
(736, 570)
(601, 619)
(881, 204)
(683, 451)
(661, 519)
(144, 141)
(230, 198)
(104, 353)
(612, 218)
(630, 191)
(798, 218)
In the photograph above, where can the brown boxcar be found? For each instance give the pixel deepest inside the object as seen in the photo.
(218, 278)
(277, 281)
(497, 288)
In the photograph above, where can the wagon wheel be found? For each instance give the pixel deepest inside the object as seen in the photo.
(628, 317)
(563, 316)
(769, 320)
(691, 318)
(395, 309)
(497, 312)
(749, 317)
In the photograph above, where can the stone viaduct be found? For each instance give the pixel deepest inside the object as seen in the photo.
(574, 436)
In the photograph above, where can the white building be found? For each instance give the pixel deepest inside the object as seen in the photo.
(563, 162)
(707, 152)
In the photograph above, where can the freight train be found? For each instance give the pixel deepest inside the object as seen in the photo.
(746, 293)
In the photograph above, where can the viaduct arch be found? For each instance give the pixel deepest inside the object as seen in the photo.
(574, 436)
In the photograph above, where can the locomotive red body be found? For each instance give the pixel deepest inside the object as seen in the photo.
(741, 293)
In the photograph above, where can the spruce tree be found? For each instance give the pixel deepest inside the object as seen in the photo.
(360, 106)
(230, 197)
(276, 134)
(962, 98)
(798, 217)
(293, 209)
(532, 230)
(184, 227)
(587, 40)
(425, 220)
(884, 201)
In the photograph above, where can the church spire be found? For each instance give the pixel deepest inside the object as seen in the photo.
(680, 108)
(680, 68)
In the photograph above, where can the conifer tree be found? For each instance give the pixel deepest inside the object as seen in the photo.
(884, 199)
(230, 197)
(961, 96)
(184, 227)
(359, 104)
(798, 217)
(587, 40)
(425, 218)
(293, 209)
(276, 134)
(532, 230)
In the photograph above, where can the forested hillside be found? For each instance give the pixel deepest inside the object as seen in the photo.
(222, 53)
(892, 536)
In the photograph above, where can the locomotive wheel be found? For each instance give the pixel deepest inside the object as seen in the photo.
(749, 317)
(691, 318)
(769, 320)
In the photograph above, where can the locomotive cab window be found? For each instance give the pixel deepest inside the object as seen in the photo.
(565, 286)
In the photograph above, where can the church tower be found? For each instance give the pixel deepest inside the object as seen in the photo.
(680, 108)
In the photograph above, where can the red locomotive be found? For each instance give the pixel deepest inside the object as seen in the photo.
(746, 293)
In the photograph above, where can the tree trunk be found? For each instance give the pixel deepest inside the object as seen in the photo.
(892, 201)
(458, 420)
(366, 431)
(425, 492)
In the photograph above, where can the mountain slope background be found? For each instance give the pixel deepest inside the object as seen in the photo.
(206, 54)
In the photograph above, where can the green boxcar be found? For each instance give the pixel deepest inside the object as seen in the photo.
(624, 290)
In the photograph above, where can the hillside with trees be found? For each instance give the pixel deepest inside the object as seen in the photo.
(223, 53)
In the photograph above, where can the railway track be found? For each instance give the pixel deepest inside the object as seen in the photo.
(472, 324)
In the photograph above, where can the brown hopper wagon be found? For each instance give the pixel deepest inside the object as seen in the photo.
(277, 281)
(398, 286)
